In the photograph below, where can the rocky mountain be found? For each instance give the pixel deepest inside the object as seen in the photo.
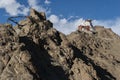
(34, 50)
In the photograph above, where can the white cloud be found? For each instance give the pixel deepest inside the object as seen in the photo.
(34, 4)
(47, 2)
(13, 7)
(66, 25)
(113, 24)
(54, 19)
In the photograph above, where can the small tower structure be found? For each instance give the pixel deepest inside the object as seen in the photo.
(87, 26)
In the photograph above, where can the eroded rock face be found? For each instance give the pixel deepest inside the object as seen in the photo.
(37, 51)
(13, 66)
(37, 15)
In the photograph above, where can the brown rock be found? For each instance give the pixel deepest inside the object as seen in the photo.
(37, 51)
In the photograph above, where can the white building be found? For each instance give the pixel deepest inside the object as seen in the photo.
(88, 22)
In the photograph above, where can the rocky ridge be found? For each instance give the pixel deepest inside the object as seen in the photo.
(37, 51)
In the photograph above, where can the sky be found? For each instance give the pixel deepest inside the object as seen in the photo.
(66, 15)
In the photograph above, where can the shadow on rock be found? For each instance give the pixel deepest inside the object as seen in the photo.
(103, 74)
(41, 61)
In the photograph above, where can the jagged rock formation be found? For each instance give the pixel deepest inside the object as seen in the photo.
(37, 51)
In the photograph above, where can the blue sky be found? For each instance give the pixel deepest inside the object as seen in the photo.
(96, 9)
(67, 14)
